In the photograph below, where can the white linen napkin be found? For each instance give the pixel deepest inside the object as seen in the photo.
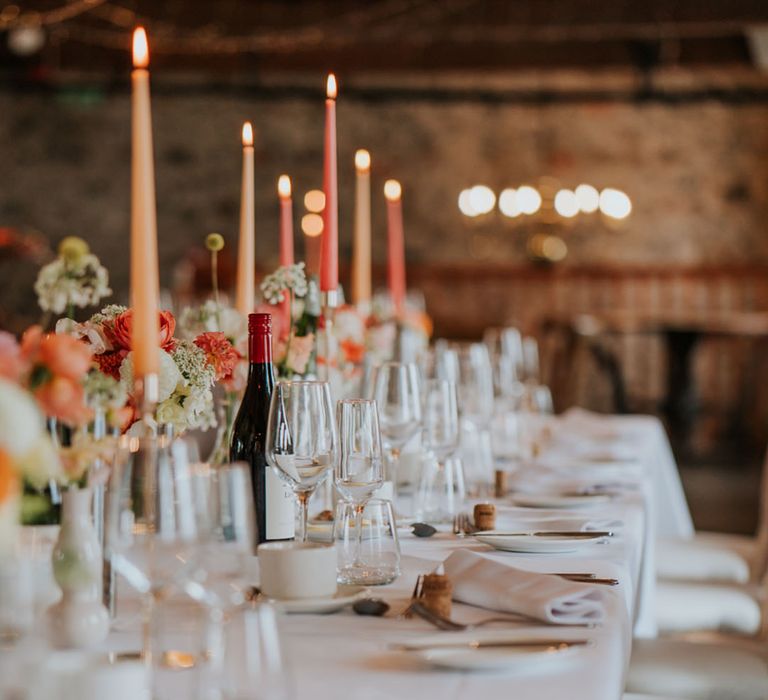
(489, 584)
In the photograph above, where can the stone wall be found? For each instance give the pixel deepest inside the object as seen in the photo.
(697, 172)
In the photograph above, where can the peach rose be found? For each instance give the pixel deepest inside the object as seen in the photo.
(65, 356)
(63, 398)
(119, 330)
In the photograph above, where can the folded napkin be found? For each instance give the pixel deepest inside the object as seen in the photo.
(480, 581)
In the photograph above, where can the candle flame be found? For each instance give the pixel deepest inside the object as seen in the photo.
(331, 90)
(284, 186)
(247, 134)
(363, 160)
(140, 48)
(392, 190)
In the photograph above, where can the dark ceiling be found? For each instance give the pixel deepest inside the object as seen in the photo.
(241, 36)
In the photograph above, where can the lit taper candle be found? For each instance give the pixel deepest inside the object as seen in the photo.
(245, 292)
(361, 248)
(145, 284)
(329, 247)
(395, 244)
(286, 240)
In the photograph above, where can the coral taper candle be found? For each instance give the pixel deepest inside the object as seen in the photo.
(395, 244)
(329, 246)
(286, 220)
(245, 292)
(361, 247)
(145, 283)
(286, 240)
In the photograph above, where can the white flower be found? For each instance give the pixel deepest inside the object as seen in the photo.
(104, 392)
(67, 283)
(168, 377)
(209, 317)
(41, 464)
(92, 334)
(21, 424)
(286, 278)
(349, 325)
(170, 411)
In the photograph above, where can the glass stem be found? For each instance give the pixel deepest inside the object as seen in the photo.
(359, 508)
(303, 498)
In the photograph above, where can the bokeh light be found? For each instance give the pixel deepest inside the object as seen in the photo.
(566, 203)
(528, 199)
(615, 203)
(312, 225)
(314, 201)
(508, 204)
(482, 199)
(588, 198)
(465, 205)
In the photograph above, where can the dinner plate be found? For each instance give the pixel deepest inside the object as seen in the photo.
(533, 544)
(345, 595)
(558, 500)
(435, 652)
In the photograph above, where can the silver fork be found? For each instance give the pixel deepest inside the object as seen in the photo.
(445, 623)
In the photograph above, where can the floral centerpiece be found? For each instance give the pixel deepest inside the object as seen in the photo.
(75, 279)
(294, 351)
(188, 368)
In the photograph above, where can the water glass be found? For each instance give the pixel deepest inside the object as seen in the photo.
(255, 666)
(374, 559)
(301, 439)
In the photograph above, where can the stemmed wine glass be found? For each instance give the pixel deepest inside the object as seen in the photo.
(441, 487)
(396, 391)
(359, 471)
(301, 439)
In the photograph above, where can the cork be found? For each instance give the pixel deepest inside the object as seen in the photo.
(485, 516)
(436, 594)
(500, 484)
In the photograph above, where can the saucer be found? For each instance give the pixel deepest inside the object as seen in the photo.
(345, 595)
(538, 545)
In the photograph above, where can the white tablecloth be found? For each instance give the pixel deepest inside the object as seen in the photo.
(346, 655)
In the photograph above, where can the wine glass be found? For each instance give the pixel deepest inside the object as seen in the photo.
(441, 486)
(396, 391)
(359, 471)
(152, 527)
(301, 439)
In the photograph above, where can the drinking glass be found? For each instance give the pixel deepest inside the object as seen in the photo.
(441, 484)
(254, 665)
(475, 384)
(530, 360)
(375, 558)
(224, 497)
(396, 391)
(151, 523)
(359, 470)
(301, 439)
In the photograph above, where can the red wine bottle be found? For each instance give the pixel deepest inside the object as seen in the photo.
(275, 514)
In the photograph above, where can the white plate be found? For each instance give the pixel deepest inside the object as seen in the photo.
(345, 595)
(487, 659)
(537, 545)
(555, 500)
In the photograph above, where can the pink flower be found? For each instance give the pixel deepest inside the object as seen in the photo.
(299, 352)
(63, 398)
(218, 352)
(64, 356)
(11, 363)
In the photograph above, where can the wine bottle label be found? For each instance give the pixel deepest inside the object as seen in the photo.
(281, 507)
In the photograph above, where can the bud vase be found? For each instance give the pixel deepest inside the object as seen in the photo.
(79, 619)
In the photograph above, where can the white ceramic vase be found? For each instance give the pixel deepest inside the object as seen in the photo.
(79, 620)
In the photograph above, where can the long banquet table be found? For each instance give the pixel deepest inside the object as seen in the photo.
(346, 655)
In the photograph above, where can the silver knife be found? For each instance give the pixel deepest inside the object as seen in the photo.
(577, 534)
(532, 644)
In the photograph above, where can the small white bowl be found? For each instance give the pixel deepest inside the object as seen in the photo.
(295, 570)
